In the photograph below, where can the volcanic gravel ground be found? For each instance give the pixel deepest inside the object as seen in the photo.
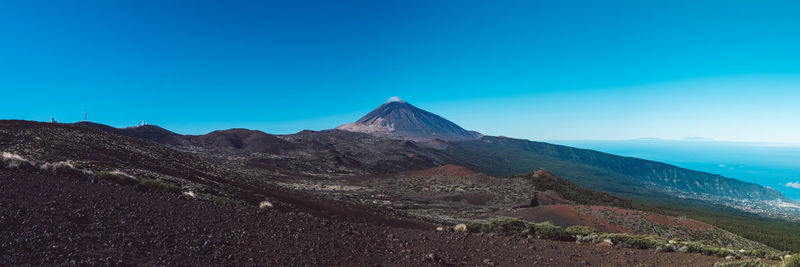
(54, 220)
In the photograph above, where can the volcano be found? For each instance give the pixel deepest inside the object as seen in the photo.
(398, 119)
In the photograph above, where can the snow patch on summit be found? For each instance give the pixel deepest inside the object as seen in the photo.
(395, 99)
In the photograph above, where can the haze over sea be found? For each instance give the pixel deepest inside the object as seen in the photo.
(775, 165)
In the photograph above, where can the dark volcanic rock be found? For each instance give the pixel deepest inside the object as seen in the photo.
(151, 133)
(244, 139)
(325, 153)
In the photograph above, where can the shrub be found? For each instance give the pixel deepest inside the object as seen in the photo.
(580, 230)
(504, 226)
(760, 253)
(546, 230)
(513, 226)
(709, 250)
(474, 227)
(65, 168)
(666, 248)
(57, 166)
(12, 160)
(744, 263)
(792, 261)
(636, 241)
(774, 256)
(757, 253)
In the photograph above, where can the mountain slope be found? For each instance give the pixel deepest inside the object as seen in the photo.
(607, 172)
(331, 154)
(624, 176)
(455, 194)
(104, 149)
(116, 222)
(104, 152)
(400, 120)
(591, 169)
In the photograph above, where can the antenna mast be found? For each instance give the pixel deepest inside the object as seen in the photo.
(85, 115)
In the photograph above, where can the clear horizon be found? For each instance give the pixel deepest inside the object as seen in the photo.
(724, 70)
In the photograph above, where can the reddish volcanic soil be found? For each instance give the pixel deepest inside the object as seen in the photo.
(564, 215)
(603, 224)
(57, 220)
(550, 198)
(561, 215)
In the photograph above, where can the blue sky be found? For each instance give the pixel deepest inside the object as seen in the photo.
(543, 70)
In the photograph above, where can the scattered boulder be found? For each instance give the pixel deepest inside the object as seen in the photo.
(431, 257)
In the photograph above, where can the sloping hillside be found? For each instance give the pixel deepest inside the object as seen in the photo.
(455, 194)
(82, 196)
(247, 158)
(146, 164)
(606, 172)
(71, 221)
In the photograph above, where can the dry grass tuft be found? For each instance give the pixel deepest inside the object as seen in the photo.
(264, 204)
(14, 161)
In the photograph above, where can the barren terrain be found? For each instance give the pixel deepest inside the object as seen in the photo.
(50, 219)
(85, 194)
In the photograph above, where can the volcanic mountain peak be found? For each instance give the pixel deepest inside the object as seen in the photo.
(400, 120)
